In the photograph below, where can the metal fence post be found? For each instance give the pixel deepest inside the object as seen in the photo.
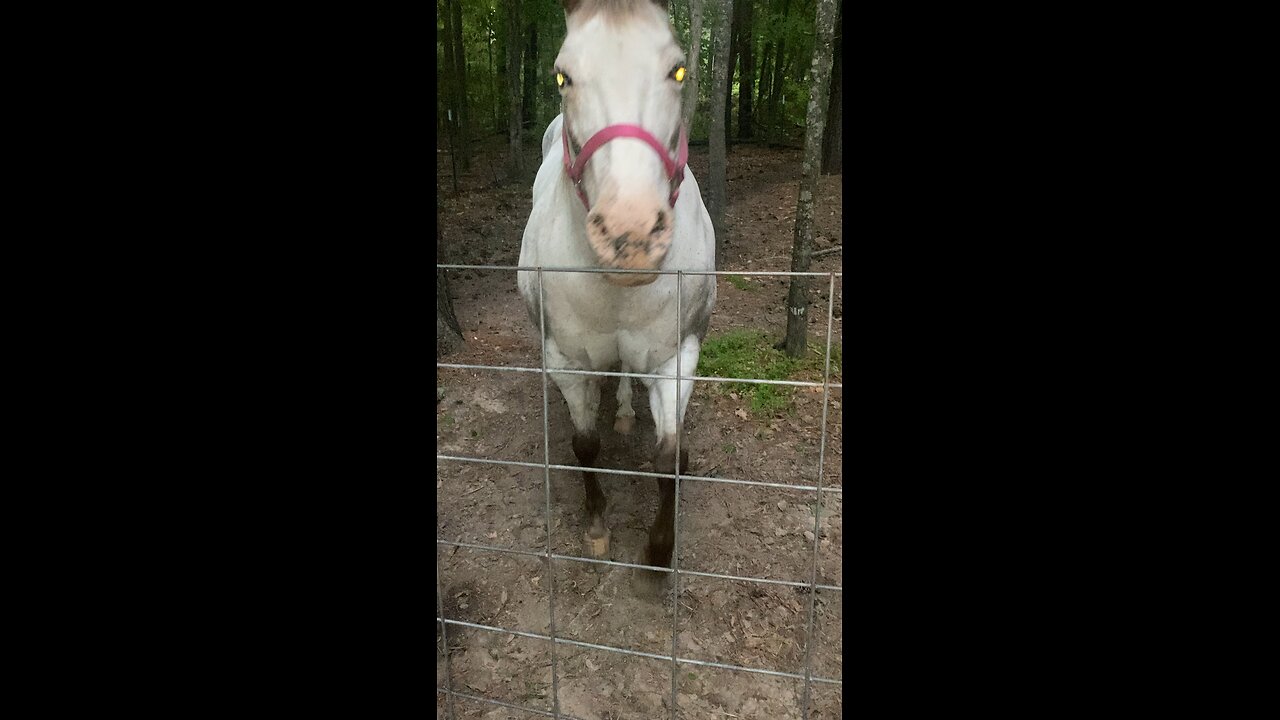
(546, 464)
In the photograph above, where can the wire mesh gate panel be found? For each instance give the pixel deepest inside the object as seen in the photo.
(557, 641)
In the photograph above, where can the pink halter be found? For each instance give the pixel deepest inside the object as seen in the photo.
(575, 168)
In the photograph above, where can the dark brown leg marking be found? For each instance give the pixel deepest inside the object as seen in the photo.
(587, 447)
(662, 534)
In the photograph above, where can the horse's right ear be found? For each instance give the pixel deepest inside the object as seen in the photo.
(570, 6)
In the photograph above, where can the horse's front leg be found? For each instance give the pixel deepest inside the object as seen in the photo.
(582, 395)
(668, 416)
(626, 416)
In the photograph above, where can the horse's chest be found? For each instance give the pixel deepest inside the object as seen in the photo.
(599, 325)
(601, 307)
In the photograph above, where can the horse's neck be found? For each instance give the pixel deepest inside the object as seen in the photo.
(572, 248)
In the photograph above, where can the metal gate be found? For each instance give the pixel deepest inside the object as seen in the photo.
(548, 557)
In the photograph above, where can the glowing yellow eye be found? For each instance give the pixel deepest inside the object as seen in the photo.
(560, 79)
(679, 74)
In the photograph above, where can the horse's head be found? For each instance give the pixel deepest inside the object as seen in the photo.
(620, 71)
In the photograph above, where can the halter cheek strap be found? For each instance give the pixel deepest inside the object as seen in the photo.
(674, 166)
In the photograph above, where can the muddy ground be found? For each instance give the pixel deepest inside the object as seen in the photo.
(729, 529)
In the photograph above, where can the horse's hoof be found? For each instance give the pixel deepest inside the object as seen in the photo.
(652, 583)
(597, 547)
(624, 424)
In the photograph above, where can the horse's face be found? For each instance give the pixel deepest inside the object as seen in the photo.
(620, 65)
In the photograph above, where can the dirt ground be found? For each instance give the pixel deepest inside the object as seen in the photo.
(729, 529)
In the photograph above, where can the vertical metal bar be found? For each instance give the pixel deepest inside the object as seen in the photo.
(817, 506)
(444, 636)
(546, 478)
(675, 512)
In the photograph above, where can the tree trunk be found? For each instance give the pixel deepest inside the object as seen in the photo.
(695, 50)
(449, 83)
(445, 10)
(734, 40)
(448, 331)
(513, 88)
(528, 107)
(460, 67)
(832, 148)
(719, 101)
(747, 73)
(775, 86)
(711, 67)
(802, 244)
(762, 88)
(493, 83)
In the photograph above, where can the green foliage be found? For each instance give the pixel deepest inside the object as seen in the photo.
(750, 354)
(484, 37)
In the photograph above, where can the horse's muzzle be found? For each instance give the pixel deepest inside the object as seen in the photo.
(630, 279)
(627, 235)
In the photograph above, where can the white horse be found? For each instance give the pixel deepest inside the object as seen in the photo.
(611, 195)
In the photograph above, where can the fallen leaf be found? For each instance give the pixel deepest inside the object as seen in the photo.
(592, 666)
(740, 413)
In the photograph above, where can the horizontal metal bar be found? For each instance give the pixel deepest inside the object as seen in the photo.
(615, 563)
(516, 551)
(640, 473)
(640, 653)
(789, 583)
(608, 373)
(525, 268)
(491, 701)
(491, 548)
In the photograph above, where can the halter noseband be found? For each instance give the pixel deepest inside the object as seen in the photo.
(675, 167)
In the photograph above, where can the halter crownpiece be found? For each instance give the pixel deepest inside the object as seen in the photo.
(675, 166)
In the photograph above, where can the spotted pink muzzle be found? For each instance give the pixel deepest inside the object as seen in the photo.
(675, 166)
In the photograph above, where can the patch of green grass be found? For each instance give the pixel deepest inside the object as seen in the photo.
(750, 354)
(729, 448)
(739, 282)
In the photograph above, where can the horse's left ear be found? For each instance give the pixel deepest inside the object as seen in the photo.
(664, 4)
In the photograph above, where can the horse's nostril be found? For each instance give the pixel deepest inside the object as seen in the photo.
(619, 242)
(659, 226)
